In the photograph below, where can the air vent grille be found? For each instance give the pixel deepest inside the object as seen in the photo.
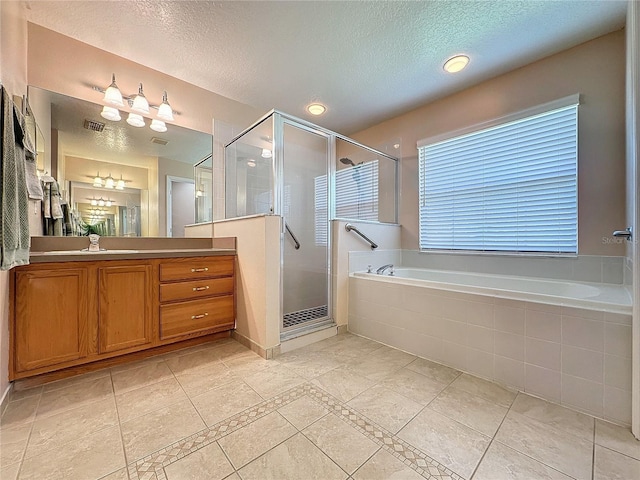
(93, 125)
(159, 141)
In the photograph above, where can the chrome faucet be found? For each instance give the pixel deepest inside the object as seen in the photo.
(382, 269)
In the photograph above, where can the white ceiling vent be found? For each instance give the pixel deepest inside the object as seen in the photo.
(93, 125)
(159, 141)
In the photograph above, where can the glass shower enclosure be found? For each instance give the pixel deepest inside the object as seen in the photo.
(288, 167)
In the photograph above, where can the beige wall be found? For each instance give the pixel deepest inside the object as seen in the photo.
(64, 65)
(257, 277)
(13, 74)
(596, 70)
(174, 169)
(632, 274)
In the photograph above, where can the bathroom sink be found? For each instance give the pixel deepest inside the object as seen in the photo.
(85, 252)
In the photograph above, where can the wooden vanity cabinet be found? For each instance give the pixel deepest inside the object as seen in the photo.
(196, 296)
(67, 314)
(51, 321)
(125, 307)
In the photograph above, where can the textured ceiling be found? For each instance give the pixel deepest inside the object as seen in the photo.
(367, 61)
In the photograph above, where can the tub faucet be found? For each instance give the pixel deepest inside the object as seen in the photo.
(382, 269)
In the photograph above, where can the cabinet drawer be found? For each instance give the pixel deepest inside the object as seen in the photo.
(196, 267)
(197, 316)
(206, 287)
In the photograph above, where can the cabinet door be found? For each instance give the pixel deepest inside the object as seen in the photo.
(51, 317)
(125, 310)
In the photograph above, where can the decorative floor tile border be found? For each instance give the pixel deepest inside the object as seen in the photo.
(152, 466)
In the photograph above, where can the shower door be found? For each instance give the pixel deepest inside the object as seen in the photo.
(306, 236)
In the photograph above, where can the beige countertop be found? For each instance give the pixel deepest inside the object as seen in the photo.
(80, 256)
(73, 249)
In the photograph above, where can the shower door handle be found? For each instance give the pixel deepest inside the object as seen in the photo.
(295, 240)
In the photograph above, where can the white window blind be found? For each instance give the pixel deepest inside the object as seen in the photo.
(321, 222)
(356, 197)
(357, 192)
(511, 187)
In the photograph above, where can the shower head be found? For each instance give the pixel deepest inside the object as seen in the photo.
(347, 161)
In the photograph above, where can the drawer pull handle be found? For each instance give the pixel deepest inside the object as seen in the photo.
(205, 269)
(199, 289)
(202, 315)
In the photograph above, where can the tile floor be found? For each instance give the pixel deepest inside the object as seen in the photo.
(344, 408)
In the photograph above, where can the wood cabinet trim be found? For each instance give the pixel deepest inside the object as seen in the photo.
(92, 342)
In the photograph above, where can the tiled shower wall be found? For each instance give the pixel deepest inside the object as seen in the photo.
(578, 358)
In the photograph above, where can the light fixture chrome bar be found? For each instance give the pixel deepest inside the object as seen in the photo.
(350, 228)
(295, 240)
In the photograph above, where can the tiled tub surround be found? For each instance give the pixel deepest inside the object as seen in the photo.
(581, 268)
(343, 408)
(577, 357)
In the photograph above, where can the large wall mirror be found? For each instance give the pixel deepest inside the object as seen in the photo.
(120, 180)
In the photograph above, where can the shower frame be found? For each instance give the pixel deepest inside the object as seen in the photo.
(280, 119)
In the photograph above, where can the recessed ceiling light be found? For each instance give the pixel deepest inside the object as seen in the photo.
(316, 109)
(455, 64)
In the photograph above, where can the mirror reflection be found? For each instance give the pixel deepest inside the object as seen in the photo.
(120, 180)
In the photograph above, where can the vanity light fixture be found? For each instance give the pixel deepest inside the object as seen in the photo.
(455, 64)
(316, 109)
(110, 113)
(94, 202)
(109, 182)
(120, 184)
(164, 110)
(135, 120)
(140, 103)
(158, 125)
(101, 202)
(266, 153)
(97, 181)
(108, 203)
(112, 95)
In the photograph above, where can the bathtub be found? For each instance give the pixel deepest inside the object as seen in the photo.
(600, 296)
(567, 342)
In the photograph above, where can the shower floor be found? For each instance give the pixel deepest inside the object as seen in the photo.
(302, 316)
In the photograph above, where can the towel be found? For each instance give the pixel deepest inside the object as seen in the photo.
(56, 207)
(14, 198)
(33, 182)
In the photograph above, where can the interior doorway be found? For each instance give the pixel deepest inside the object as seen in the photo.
(181, 208)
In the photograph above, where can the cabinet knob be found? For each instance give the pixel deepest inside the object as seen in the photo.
(202, 315)
(205, 269)
(199, 289)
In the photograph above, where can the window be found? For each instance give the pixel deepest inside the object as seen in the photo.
(356, 196)
(510, 187)
(357, 192)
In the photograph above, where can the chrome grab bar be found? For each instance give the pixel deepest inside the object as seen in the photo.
(295, 240)
(348, 227)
